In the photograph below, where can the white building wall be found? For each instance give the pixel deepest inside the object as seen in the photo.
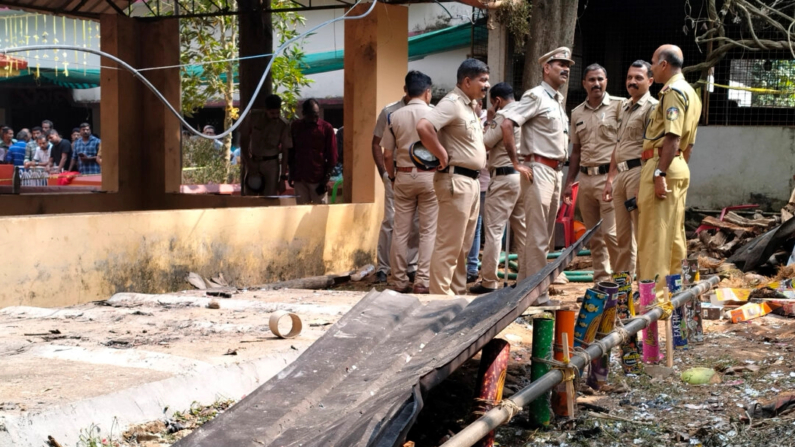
(440, 67)
(733, 165)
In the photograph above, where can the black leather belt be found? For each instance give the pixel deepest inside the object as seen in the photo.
(595, 170)
(629, 164)
(266, 158)
(505, 170)
(471, 173)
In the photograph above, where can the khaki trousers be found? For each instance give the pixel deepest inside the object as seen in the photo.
(268, 170)
(307, 194)
(459, 205)
(385, 233)
(504, 202)
(541, 202)
(625, 187)
(604, 247)
(414, 195)
(661, 223)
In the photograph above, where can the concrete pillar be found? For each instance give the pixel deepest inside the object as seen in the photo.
(120, 100)
(141, 157)
(256, 37)
(161, 154)
(376, 62)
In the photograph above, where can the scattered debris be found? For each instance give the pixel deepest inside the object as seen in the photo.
(231, 351)
(196, 281)
(213, 304)
(750, 311)
(659, 372)
(363, 272)
(52, 442)
(780, 405)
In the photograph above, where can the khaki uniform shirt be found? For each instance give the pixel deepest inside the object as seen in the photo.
(595, 129)
(542, 117)
(632, 120)
(401, 131)
(274, 133)
(498, 156)
(381, 123)
(460, 130)
(677, 113)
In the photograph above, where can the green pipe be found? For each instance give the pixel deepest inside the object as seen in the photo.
(511, 257)
(556, 254)
(540, 410)
(501, 274)
(513, 265)
(580, 278)
(578, 272)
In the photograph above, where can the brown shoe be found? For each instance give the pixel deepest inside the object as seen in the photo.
(406, 289)
(420, 290)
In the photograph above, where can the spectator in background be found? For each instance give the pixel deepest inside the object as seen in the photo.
(46, 126)
(16, 153)
(61, 153)
(6, 133)
(33, 145)
(313, 156)
(210, 132)
(75, 136)
(41, 157)
(86, 152)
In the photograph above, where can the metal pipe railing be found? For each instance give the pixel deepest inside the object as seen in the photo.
(502, 414)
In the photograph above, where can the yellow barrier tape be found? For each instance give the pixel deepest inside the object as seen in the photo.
(766, 91)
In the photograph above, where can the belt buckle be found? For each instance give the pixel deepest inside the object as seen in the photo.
(593, 170)
(623, 166)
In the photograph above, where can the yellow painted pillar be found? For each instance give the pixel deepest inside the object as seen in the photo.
(376, 62)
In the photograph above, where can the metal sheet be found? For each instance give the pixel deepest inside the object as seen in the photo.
(363, 382)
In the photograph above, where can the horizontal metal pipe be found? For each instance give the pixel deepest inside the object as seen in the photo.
(500, 415)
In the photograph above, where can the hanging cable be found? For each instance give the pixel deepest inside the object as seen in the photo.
(160, 96)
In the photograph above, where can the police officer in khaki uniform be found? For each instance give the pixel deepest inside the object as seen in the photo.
(454, 134)
(665, 176)
(412, 186)
(261, 163)
(387, 224)
(624, 176)
(593, 138)
(542, 116)
(504, 198)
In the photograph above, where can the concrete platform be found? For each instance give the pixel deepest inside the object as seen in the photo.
(135, 357)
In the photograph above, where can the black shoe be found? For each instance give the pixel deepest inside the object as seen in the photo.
(479, 289)
(380, 277)
(471, 277)
(411, 276)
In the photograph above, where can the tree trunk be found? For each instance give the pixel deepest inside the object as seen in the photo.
(256, 37)
(551, 26)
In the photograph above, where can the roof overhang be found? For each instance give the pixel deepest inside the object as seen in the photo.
(86, 9)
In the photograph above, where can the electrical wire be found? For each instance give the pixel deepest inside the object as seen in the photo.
(140, 77)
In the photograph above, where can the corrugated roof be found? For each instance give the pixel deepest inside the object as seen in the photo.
(363, 382)
(70, 8)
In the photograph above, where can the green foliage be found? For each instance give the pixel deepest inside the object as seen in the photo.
(773, 75)
(92, 437)
(204, 41)
(515, 15)
(203, 162)
(288, 80)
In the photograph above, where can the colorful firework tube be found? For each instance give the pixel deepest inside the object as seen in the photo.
(540, 410)
(650, 335)
(590, 316)
(630, 354)
(564, 323)
(491, 379)
(600, 367)
(695, 327)
(678, 318)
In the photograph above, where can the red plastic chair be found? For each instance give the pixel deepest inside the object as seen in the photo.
(565, 217)
(723, 213)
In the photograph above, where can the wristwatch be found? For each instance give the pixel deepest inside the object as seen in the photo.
(391, 179)
(658, 173)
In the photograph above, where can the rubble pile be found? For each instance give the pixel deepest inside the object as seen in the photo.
(728, 234)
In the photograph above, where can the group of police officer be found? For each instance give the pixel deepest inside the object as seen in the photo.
(629, 155)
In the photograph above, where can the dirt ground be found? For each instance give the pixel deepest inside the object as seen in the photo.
(655, 408)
